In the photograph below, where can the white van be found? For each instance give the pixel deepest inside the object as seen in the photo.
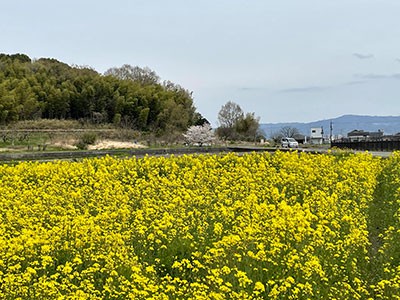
(288, 142)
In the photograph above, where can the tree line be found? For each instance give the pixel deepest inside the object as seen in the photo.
(126, 96)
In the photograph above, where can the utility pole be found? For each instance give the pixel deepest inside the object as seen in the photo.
(330, 133)
(322, 134)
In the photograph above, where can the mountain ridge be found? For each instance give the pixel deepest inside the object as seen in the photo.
(340, 125)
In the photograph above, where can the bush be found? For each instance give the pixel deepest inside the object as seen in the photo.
(88, 138)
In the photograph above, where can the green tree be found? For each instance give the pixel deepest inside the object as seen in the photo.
(199, 120)
(126, 96)
(248, 126)
(143, 116)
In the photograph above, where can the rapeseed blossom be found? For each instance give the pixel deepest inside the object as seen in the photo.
(257, 226)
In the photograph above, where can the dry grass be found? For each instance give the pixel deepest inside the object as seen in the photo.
(46, 124)
(108, 144)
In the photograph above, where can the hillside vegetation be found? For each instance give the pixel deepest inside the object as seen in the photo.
(129, 97)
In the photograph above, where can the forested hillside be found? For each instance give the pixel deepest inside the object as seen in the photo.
(127, 96)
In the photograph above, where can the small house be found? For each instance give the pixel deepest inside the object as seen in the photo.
(361, 135)
(317, 135)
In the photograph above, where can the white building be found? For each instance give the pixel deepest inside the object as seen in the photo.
(317, 135)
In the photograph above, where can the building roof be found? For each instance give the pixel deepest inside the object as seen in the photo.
(358, 133)
(363, 133)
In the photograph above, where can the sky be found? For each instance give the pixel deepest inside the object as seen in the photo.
(284, 60)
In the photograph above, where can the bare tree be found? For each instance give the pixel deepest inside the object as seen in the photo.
(228, 118)
(289, 131)
(127, 72)
(236, 125)
(230, 114)
(286, 131)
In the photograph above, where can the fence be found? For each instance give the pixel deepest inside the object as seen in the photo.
(368, 145)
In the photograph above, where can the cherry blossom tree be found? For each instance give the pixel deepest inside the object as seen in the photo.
(199, 135)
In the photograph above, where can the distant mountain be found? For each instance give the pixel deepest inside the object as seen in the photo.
(341, 125)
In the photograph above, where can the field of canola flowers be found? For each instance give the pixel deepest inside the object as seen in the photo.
(257, 226)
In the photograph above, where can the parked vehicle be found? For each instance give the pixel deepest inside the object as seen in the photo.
(288, 142)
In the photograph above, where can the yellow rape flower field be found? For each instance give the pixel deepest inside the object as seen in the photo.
(256, 226)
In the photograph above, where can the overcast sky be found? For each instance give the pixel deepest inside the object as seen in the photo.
(285, 60)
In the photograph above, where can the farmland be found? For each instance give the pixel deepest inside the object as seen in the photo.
(257, 226)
